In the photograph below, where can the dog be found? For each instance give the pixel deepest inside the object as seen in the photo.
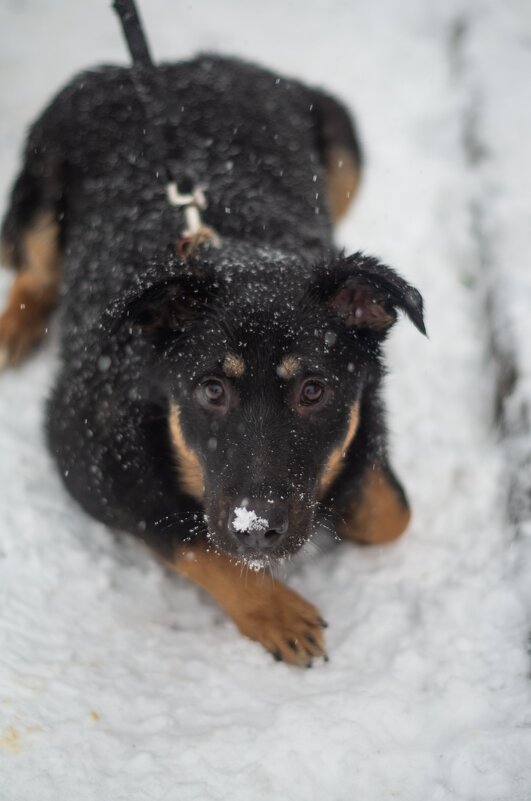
(215, 403)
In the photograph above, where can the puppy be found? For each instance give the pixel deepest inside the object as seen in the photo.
(214, 404)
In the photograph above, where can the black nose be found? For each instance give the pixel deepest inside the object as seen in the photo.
(258, 525)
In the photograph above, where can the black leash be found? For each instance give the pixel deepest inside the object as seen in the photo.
(149, 91)
(134, 35)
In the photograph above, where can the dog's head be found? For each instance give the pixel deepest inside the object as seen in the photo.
(264, 371)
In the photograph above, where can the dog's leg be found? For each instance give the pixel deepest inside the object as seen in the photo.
(340, 153)
(378, 512)
(30, 244)
(262, 608)
(33, 294)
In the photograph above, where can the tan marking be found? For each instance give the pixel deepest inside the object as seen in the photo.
(378, 516)
(342, 180)
(262, 608)
(233, 366)
(34, 292)
(335, 462)
(41, 250)
(191, 474)
(289, 367)
(95, 715)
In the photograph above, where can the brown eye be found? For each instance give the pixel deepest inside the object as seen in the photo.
(312, 392)
(214, 392)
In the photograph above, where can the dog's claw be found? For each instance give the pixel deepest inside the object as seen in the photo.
(314, 647)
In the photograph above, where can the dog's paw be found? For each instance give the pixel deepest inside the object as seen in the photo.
(289, 627)
(262, 608)
(19, 335)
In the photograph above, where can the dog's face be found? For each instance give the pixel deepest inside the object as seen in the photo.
(264, 373)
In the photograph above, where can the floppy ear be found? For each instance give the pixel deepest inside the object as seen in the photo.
(167, 306)
(367, 295)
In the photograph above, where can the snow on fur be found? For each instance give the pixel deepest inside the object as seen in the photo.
(119, 681)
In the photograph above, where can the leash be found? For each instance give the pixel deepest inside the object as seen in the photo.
(146, 80)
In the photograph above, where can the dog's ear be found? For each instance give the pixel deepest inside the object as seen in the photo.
(367, 295)
(167, 306)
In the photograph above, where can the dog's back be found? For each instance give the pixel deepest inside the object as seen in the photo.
(255, 139)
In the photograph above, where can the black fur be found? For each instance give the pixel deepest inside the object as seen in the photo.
(141, 329)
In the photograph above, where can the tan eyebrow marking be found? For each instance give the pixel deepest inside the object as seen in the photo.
(233, 366)
(288, 367)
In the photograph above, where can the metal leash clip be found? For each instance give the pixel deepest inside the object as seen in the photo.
(196, 233)
(193, 202)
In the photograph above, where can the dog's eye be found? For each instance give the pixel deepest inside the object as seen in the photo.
(213, 392)
(312, 392)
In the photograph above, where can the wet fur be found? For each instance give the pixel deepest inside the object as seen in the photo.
(282, 163)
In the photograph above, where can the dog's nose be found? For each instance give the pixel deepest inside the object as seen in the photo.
(259, 525)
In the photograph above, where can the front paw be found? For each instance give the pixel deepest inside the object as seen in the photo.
(289, 627)
(263, 609)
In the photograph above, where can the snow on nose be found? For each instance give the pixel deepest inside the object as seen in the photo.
(248, 520)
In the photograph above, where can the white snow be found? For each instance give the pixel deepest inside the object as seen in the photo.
(121, 682)
(248, 520)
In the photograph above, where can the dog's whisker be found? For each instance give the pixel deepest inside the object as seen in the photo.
(175, 519)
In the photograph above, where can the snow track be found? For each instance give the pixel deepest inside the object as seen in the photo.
(119, 682)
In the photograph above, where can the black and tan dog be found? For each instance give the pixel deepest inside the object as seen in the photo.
(214, 406)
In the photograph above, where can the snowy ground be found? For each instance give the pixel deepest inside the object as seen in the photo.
(119, 682)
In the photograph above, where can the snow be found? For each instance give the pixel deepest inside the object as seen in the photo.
(120, 681)
(248, 520)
